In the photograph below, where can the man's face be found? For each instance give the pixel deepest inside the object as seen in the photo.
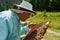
(24, 15)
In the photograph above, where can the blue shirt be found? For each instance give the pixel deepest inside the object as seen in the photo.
(10, 26)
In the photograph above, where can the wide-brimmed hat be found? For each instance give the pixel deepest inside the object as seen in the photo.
(26, 6)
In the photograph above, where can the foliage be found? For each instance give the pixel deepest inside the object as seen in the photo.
(7, 4)
(54, 5)
(53, 16)
(40, 4)
(49, 36)
(49, 5)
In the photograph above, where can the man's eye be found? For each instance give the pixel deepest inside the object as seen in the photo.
(32, 15)
(15, 7)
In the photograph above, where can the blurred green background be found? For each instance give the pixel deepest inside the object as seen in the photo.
(42, 16)
(54, 17)
(38, 5)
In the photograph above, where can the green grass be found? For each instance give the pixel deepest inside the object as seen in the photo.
(49, 36)
(53, 16)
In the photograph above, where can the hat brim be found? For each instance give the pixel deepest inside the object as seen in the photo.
(22, 8)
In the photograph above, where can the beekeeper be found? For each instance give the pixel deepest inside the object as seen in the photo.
(11, 27)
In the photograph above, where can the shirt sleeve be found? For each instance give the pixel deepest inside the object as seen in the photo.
(3, 29)
(23, 30)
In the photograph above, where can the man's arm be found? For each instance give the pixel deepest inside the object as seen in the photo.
(3, 29)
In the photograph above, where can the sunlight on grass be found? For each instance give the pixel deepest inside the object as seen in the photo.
(53, 16)
(49, 36)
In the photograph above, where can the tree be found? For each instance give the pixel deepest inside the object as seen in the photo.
(54, 5)
(40, 4)
(7, 4)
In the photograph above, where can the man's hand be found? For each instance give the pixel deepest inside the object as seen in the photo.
(32, 26)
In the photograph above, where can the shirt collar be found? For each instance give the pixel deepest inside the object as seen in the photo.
(15, 14)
